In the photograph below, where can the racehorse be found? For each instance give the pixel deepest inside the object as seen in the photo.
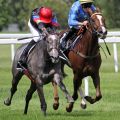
(84, 57)
(43, 66)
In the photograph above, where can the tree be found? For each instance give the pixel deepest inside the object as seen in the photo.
(111, 12)
(18, 11)
(5, 17)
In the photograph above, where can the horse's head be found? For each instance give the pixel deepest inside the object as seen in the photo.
(53, 47)
(98, 23)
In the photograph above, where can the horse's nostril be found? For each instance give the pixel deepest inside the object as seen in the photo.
(105, 33)
(101, 32)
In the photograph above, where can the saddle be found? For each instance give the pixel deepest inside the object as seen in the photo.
(23, 66)
(71, 43)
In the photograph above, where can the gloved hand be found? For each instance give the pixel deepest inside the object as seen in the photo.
(45, 32)
(85, 23)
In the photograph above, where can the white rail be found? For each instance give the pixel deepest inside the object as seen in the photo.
(12, 39)
(113, 37)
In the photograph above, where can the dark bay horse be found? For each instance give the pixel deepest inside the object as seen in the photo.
(43, 67)
(85, 58)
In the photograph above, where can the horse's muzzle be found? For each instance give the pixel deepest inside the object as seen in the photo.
(55, 59)
(102, 35)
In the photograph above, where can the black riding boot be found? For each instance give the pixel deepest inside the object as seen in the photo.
(66, 38)
(23, 57)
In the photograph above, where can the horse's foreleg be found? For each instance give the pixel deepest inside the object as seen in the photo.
(96, 82)
(56, 97)
(15, 81)
(39, 86)
(29, 95)
(75, 94)
(59, 82)
(83, 102)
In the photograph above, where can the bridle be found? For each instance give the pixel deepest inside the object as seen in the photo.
(92, 31)
(90, 19)
(52, 48)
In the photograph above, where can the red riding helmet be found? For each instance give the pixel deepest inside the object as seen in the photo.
(45, 15)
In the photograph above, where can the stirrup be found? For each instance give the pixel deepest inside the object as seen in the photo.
(63, 46)
(20, 66)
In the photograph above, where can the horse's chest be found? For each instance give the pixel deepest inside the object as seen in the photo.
(91, 67)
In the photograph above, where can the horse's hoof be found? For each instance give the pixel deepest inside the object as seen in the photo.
(44, 113)
(7, 102)
(55, 106)
(89, 99)
(25, 113)
(69, 108)
(83, 106)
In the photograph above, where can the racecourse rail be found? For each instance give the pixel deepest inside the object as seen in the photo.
(12, 39)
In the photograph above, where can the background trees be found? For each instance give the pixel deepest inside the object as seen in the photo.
(18, 11)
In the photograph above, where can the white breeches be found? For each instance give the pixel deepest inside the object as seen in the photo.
(36, 34)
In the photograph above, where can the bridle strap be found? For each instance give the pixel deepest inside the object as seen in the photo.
(92, 23)
(96, 14)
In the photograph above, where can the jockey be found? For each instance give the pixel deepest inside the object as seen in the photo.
(77, 18)
(41, 20)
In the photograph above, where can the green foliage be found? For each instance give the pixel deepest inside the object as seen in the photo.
(18, 11)
(111, 12)
(4, 13)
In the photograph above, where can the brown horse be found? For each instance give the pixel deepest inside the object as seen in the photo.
(85, 58)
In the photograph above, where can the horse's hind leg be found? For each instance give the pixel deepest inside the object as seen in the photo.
(56, 97)
(29, 94)
(96, 82)
(59, 82)
(83, 102)
(16, 78)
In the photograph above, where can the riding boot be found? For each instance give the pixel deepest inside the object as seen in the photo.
(66, 38)
(23, 57)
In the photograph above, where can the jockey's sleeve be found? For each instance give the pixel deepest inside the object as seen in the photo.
(35, 16)
(93, 8)
(72, 19)
(36, 19)
(54, 21)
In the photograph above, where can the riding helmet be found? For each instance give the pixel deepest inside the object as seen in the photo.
(86, 1)
(45, 14)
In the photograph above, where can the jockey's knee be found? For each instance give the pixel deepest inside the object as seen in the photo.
(36, 39)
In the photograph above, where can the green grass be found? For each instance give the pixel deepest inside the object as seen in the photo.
(108, 108)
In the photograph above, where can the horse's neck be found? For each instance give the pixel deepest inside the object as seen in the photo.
(40, 51)
(89, 43)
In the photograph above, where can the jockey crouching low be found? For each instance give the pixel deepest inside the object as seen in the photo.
(77, 18)
(41, 20)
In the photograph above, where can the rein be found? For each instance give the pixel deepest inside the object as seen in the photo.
(86, 56)
(100, 33)
(91, 22)
(91, 32)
